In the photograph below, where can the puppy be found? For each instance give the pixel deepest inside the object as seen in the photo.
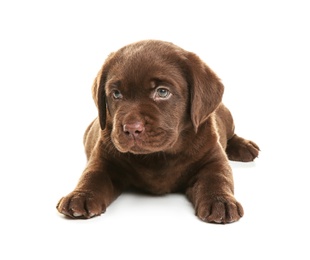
(161, 128)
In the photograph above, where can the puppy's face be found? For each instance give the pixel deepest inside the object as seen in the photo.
(147, 100)
(148, 89)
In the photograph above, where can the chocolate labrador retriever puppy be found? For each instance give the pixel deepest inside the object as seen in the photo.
(161, 128)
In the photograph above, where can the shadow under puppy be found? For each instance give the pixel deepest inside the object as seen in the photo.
(161, 128)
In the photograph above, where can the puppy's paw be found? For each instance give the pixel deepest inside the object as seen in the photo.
(240, 149)
(81, 205)
(219, 209)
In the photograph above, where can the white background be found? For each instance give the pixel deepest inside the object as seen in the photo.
(50, 52)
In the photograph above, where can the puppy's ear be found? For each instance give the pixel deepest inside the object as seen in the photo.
(98, 91)
(206, 90)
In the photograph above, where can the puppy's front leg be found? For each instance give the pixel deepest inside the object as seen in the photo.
(94, 192)
(212, 194)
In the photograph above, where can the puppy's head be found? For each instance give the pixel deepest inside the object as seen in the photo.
(153, 91)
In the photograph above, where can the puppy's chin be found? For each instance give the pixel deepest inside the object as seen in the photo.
(140, 147)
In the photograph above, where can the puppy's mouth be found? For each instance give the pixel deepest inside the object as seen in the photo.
(143, 142)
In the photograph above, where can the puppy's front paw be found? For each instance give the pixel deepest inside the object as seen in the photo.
(219, 209)
(81, 205)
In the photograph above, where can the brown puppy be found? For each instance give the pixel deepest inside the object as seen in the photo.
(161, 128)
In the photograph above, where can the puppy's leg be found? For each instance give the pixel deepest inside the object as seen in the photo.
(87, 201)
(240, 149)
(94, 192)
(237, 148)
(212, 194)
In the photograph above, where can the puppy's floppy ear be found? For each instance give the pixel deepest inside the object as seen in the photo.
(98, 91)
(206, 90)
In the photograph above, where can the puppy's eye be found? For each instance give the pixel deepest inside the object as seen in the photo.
(162, 93)
(117, 94)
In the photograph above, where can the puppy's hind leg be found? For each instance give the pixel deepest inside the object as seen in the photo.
(240, 149)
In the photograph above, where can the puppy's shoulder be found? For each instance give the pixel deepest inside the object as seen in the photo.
(91, 136)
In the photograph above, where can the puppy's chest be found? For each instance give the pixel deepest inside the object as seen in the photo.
(160, 177)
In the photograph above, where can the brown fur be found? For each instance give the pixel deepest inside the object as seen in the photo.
(161, 128)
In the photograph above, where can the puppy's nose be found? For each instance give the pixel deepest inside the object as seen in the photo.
(134, 129)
